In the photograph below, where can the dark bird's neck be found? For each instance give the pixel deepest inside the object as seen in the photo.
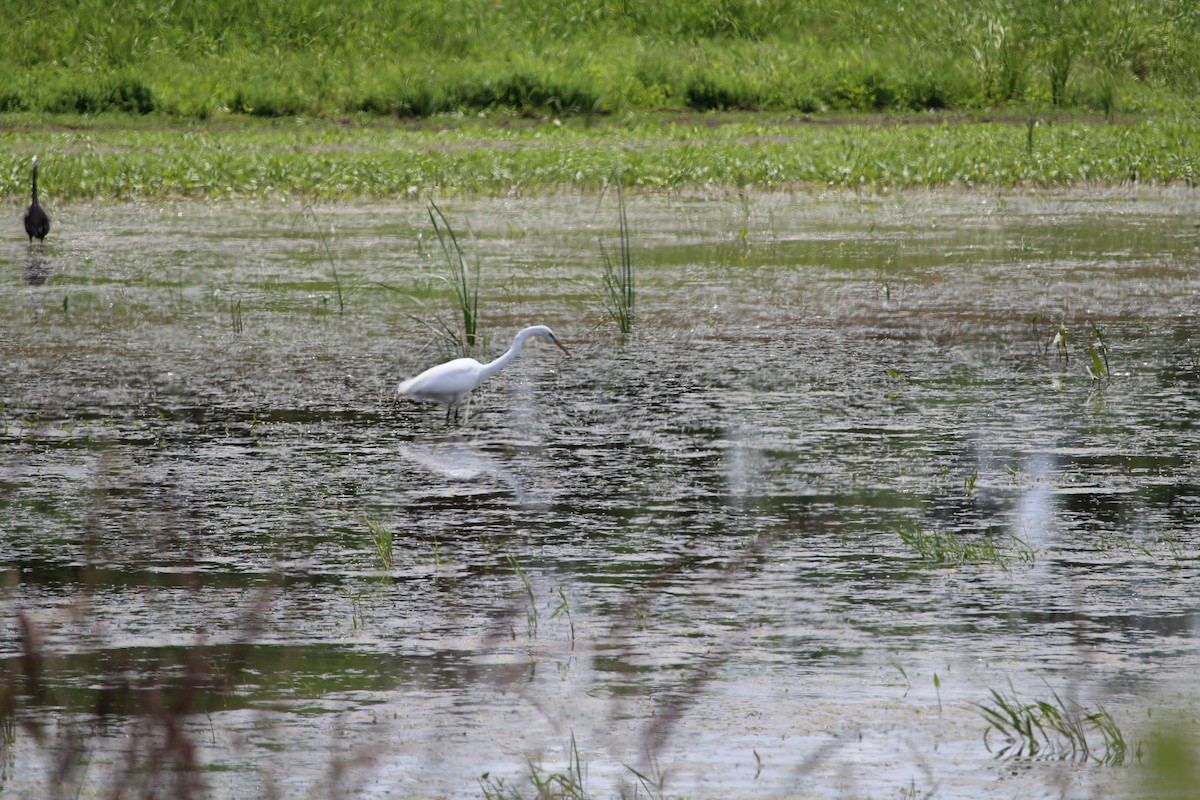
(34, 192)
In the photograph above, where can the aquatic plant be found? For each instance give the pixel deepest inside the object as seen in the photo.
(464, 287)
(618, 280)
(564, 608)
(1098, 368)
(531, 612)
(1052, 729)
(313, 159)
(324, 243)
(947, 547)
(545, 784)
(653, 780)
(1097, 349)
(382, 538)
(235, 315)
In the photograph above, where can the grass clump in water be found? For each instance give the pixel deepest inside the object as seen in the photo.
(569, 784)
(382, 538)
(1053, 729)
(464, 339)
(947, 547)
(618, 279)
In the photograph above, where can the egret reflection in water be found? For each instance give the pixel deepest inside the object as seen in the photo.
(460, 461)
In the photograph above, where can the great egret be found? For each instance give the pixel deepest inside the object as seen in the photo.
(37, 221)
(450, 383)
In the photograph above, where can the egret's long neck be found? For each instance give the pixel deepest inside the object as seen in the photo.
(492, 367)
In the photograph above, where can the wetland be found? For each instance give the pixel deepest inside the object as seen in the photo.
(864, 461)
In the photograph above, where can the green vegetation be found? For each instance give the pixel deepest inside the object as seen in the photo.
(950, 548)
(464, 287)
(544, 784)
(1052, 729)
(618, 281)
(424, 57)
(321, 100)
(526, 590)
(383, 540)
(125, 158)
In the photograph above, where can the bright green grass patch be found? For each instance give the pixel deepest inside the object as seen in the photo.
(130, 158)
(424, 57)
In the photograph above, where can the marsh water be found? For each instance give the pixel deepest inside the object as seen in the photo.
(862, 461)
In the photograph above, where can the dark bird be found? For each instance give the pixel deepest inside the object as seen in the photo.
(37, 221)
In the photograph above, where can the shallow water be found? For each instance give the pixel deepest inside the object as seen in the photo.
(681, 550)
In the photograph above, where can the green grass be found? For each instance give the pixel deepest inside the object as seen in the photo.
(543, 784)
(950, 548)
(423, 57)
(127, 158)
(618, 280)
(1053, 729)
(464, 340)
(382, 538)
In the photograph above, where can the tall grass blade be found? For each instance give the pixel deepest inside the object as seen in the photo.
(324, 242)
(618, 280)
(464, 284)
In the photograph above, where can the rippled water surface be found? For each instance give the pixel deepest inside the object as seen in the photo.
(694, 552)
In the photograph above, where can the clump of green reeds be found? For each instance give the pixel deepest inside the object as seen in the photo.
(465, 340)
(1052, 729)
(382, 538)
(618, 279)
(947, 547)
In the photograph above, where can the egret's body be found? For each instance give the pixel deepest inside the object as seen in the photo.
(37, 221)
(449, 384)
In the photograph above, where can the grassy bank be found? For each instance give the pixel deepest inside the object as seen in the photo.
(321, 58)
(122, 158)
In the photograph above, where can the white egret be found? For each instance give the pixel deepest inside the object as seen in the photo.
(37, 221)
(450, 383)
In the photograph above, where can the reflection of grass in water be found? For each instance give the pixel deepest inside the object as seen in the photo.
(1052, 729)
(950, 548)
